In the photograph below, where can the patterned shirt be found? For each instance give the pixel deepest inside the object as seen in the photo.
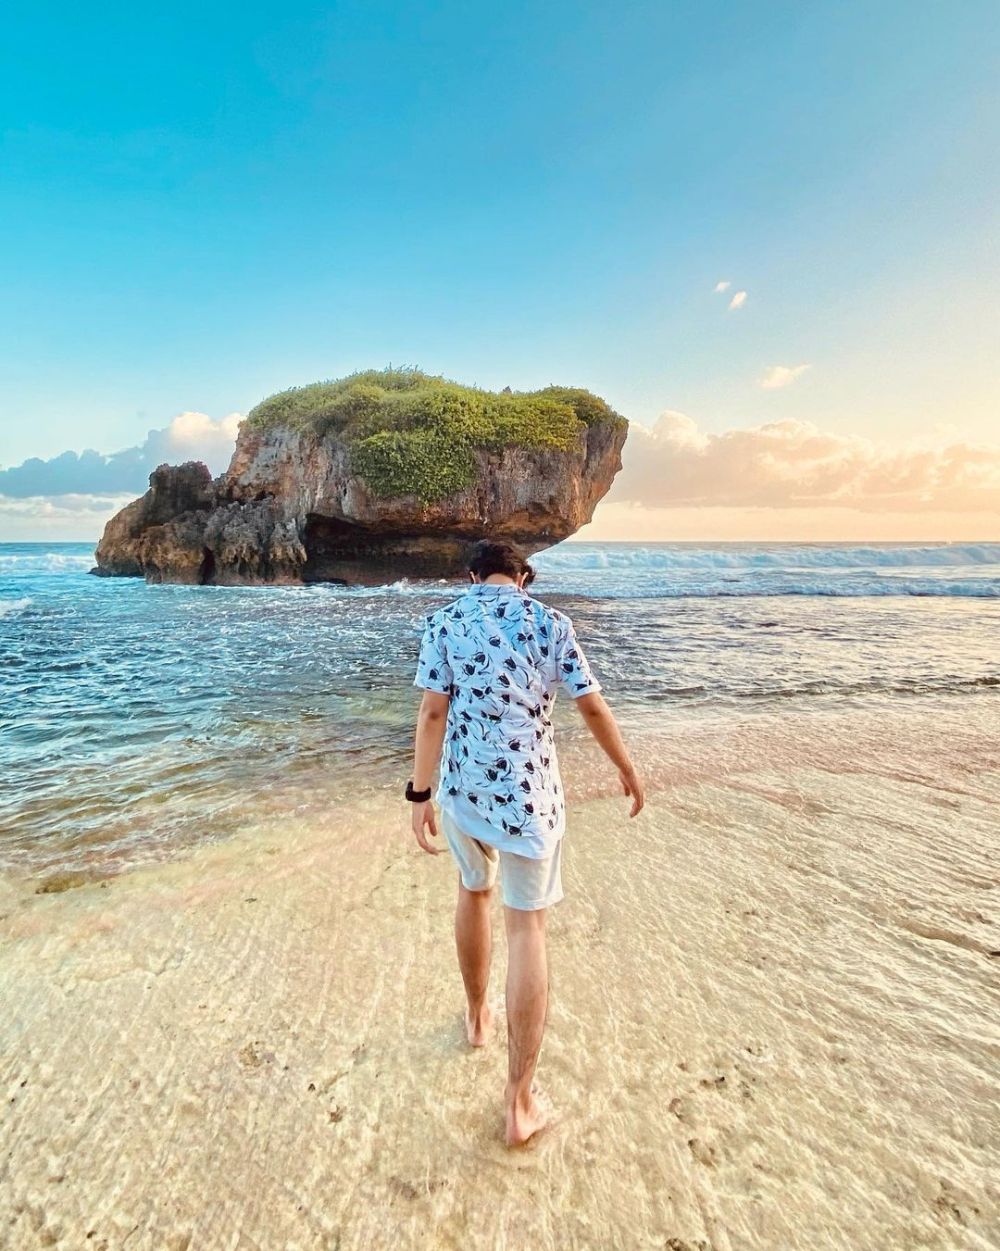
(502, 655)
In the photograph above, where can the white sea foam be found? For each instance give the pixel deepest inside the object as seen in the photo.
(654, 556)
(673, 571)
(8, 607)
(16, 563)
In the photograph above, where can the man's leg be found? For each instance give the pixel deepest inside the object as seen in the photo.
(474, 939)
(527, 1001)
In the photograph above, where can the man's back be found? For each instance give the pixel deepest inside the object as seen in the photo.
(502, 655)
(490, 664)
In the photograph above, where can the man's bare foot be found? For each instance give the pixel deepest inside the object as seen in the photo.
(479, 1025)
(526, 1116)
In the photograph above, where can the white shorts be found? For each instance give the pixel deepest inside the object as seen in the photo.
(525, 884)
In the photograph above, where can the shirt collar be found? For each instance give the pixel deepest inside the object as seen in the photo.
(489, 588)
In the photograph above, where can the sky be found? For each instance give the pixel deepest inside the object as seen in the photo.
(766, 233)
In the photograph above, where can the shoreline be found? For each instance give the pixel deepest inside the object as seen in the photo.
(936, 738)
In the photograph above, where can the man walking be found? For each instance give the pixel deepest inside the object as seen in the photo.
(490, 665)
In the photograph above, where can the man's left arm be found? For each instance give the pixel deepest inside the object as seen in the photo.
(432, 721)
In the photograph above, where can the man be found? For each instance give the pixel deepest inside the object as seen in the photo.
(490, 665)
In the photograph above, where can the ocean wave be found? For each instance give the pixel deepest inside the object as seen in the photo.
(567, 557)
(635, 584)
(985, 588)
(44, 562)
(8, 607)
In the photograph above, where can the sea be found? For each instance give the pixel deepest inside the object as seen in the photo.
(139, 721)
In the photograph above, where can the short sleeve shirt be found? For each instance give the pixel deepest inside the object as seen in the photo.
(502, 656)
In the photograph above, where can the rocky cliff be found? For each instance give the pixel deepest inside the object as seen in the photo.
(394, 484)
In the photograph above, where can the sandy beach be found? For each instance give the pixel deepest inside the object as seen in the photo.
(563, 410)
(773, 1025)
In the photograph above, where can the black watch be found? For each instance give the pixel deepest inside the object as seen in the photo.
(417, 797)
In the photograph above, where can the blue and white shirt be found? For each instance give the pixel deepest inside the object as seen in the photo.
(502, 655)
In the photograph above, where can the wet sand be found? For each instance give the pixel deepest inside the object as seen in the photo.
(773, 1025)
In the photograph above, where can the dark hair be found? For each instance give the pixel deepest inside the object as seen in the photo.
(489, 556)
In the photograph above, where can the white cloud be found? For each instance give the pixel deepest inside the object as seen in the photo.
(62, 507)
(794, 464)
(72, 495)
(778, 376)
(738, 300)
(60, 518)
(188, 436)
(203, 437)
(722, 286)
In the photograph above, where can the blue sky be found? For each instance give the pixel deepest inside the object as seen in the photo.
(204, 204)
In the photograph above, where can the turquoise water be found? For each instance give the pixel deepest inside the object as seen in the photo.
(138, 720)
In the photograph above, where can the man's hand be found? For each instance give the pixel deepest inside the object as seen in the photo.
(604, 728)
(632, 786)
(424, 824)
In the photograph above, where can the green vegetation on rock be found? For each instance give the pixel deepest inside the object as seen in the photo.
(410, 433)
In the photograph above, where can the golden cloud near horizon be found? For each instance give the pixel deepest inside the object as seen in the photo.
(790, 479)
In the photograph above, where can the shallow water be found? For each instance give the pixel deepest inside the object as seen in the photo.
(136, 721)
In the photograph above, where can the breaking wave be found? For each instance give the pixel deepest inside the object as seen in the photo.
(784, 556)
(8, 607)
(46, 560)
(674, 571)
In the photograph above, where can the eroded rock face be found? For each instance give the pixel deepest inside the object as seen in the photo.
(289, 509)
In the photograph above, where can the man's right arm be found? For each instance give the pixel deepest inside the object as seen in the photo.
(602, 724)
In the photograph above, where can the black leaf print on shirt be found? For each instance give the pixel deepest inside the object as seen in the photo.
(503, 656)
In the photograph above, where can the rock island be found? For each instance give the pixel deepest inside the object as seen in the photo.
(379, 475)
